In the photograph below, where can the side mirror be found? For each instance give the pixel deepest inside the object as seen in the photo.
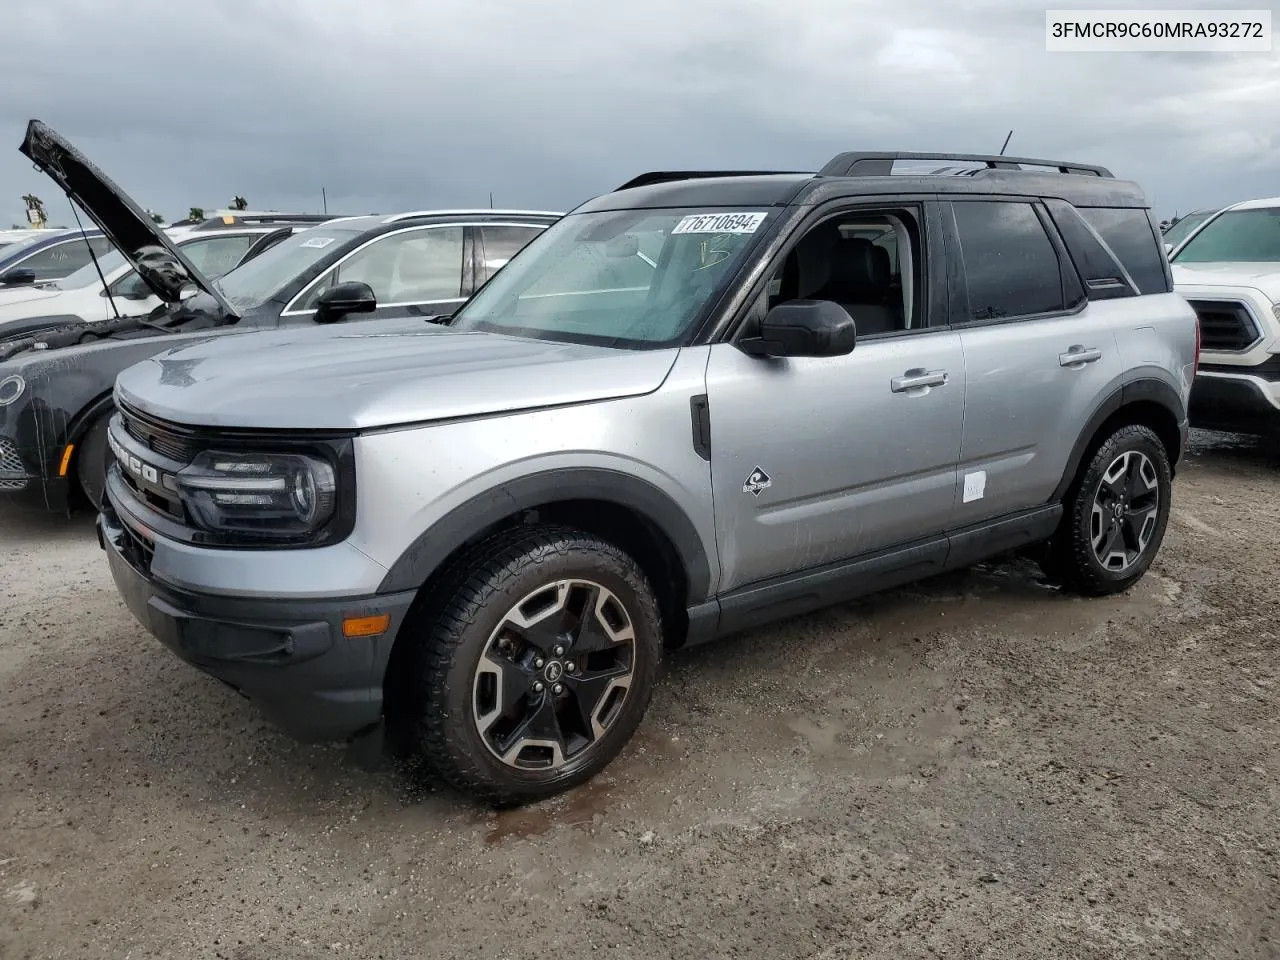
(344, 298)
(18, 277)
(803, 328)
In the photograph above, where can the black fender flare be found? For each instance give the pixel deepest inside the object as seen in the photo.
(431, 547)
(1147, 389)
(91, 411)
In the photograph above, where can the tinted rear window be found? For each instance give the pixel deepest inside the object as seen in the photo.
(1129, 234)
(1009, 262)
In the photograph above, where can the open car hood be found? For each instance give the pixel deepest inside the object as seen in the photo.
(157, 260)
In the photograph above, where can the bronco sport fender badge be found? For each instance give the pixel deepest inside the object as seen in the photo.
(757, 482)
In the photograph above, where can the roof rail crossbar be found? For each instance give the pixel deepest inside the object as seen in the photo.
(857, 164)
(670, 176)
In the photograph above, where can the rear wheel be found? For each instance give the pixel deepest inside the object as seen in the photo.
(1116, 515)
(535, 664)
(92, 461)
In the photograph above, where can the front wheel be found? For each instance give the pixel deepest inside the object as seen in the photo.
(1116, 515)
(535, 665)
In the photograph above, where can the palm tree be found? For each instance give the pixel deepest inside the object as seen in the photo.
(239, 203)
(35, 206)
(196, 213)
(155, 217)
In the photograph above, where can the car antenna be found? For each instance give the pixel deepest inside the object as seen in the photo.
(1006, 143)
(93, 256)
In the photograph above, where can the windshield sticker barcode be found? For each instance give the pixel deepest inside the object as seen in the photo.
(720, 223)
(317, 241)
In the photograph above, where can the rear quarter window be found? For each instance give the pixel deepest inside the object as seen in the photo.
(1132, 237)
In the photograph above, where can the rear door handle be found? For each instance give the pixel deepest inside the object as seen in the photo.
(1077, 356)
(917, 378)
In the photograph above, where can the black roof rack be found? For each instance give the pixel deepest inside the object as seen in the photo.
(881, 164)
(222, 221)
(669, 176)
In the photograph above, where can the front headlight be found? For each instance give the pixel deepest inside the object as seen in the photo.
(276, 497)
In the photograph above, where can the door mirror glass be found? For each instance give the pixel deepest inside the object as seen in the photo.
(131, 287)
(18, 277)
(354, 296)
(803, 328)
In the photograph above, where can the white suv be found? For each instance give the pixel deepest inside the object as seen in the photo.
(1229, 271)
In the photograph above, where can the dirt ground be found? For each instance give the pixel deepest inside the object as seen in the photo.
(975, 767)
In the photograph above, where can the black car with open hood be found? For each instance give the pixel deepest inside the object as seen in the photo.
(160, 264)
(57, 376)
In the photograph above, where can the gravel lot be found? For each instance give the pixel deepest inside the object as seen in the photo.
(976, 767)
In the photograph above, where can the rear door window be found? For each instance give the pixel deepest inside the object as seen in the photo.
(1010, 264)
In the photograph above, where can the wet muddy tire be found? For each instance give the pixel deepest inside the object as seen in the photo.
(533, 663)
(1115, 516)
(91, 463)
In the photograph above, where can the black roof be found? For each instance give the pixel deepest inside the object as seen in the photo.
(871, 174)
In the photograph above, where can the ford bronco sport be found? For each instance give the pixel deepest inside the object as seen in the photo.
(695, 404)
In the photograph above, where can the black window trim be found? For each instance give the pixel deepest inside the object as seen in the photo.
(929, 284)
(1123, 285)
(959, 299)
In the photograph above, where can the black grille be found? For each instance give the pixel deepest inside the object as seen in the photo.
(1224, 325)
(136, 551)
(164, 439)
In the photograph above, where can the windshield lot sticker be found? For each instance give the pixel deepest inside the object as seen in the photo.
(720, 223)
(317, 242)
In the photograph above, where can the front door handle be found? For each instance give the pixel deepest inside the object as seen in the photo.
(917, 378)
(1077, 356)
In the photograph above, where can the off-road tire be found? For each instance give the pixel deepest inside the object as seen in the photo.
(452, 627)
(1070, 560)
(91, 462)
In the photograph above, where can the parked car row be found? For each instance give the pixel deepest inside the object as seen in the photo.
(573, 443)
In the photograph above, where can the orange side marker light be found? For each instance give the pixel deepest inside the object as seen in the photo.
(366, 626)
(66, 460)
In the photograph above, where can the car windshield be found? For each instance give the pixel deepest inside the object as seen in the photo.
(1179, 231)
(621, 278)
(1237, 236)
(257, 281)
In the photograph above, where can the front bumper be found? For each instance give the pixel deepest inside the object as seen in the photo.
(1238, 403)
(26, 485)
(289, 657)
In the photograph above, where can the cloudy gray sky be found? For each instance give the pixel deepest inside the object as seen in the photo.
(393, 104)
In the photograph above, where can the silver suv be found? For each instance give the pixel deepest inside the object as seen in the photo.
(695, 404)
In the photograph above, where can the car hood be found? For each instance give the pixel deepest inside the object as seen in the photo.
(384, 374)
(146, 247)
(1260, 276)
